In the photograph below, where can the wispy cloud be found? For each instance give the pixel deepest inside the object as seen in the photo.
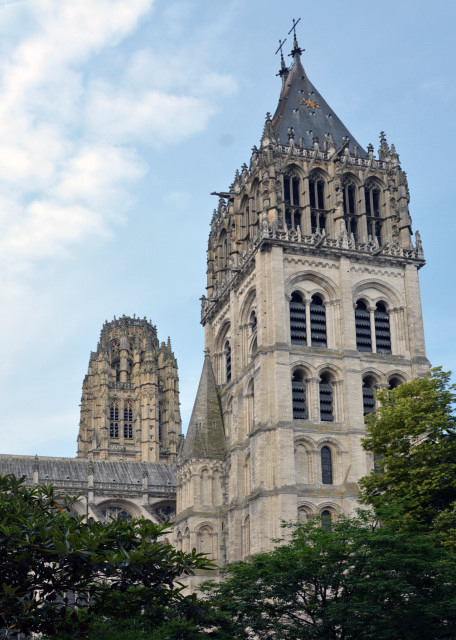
(68, 130)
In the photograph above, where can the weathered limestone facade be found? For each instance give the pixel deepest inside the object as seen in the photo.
(312, 303)
(130, 396)
(129, 430)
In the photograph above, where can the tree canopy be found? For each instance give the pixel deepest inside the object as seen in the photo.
(359, 581)
(413, 438)
(49, 555)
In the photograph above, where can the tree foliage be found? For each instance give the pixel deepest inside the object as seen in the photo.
(413, 437)
(48, 554)
(358, 581)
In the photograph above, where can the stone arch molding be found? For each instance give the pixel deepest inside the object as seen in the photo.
(321, 284)
(386, 293)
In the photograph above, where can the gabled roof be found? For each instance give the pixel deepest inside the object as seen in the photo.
(304, 109)
(205, 436)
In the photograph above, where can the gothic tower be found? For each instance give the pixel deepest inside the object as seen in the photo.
(130, 396)
(312, 303)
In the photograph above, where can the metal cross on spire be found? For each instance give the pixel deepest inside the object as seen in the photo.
(296, 48)
(283, 67)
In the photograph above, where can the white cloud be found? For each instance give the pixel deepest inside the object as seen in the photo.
(68, 129)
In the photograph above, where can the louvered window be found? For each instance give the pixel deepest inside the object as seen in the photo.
(228, 361)
(368, 396)
(394, 383)
(114, 420)
(326, 520)
(326, 466)
(128, 420)
(382, 329)
(326, 399)
(298, 386)
(317, 322)
(298, 319)
(363, 327)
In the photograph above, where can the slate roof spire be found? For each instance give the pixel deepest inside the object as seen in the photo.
(205, 437)
(303, 110)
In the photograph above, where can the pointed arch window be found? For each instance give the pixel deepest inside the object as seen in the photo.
(298, 319)
(317, 203)
(349, 189)
(326, 465)
(382, 328)
(128, 420)
(368, 396)
(227, 361)
(292, 200)
(253, 322)
(317, 322)
(114, 419)
(372, 201)
(298, 387)
(363, 327)
(326, 398)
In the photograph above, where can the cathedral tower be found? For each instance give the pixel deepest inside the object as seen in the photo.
(130, 396)
(312, 304)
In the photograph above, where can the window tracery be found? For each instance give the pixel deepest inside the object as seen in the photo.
(317, 203)
(292, 200)
(114, 419)
(128, 420)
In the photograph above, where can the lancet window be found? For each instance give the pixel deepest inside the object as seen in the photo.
(114, 419)
(326, 398)
(298, 388)
(326, 465)
(349, 206)
(292, 200)
(317, 203)
(372, 201)
(128, 420)
(227, 361)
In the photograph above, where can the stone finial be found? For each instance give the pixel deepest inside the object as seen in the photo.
(383, 152)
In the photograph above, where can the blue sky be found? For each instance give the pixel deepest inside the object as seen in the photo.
(117, 120)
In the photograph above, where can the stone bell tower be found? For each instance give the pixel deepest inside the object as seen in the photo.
(312, 304)
(130, 396)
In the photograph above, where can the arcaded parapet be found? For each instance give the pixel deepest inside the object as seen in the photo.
(130, 396)
(105, 488)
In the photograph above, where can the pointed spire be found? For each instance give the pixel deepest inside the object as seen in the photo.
(205, 436)
(283, 67)
(383, 152)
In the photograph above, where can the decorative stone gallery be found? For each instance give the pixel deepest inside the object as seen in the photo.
(312, 304)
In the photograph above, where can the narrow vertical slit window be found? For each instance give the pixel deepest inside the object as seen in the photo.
(227, 361)
(363, 327)
(298, 387)
(114, 420)
(317, 322)
(326, 466)
(286, 190)
(326, 398)
(128, 420)
(298, 319)
(382, 328)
